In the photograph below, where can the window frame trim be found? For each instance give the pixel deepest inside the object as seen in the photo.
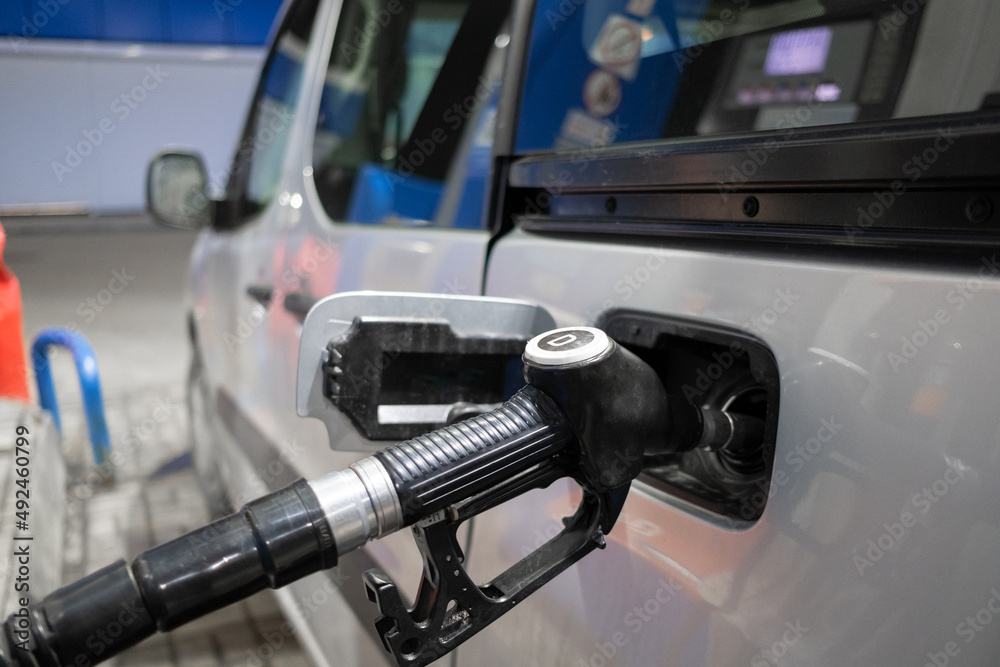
(234, 214)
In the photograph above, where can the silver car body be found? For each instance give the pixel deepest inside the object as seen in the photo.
(880, 539)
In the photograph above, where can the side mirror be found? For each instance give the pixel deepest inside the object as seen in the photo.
(177, 191)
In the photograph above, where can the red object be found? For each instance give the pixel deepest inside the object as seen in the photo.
(13, 369)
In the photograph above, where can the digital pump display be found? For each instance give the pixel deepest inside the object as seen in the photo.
(798, 51)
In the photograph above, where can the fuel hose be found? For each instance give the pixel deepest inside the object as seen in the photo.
(282, 537)
(590, 406)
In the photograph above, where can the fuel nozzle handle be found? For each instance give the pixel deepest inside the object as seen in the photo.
(417, 479)
(621, 413)
(590, 403)
(591, 410)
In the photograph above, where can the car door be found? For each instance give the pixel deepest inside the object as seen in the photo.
(387, 189)
(232, 266)
(379, 183)
(415, 221)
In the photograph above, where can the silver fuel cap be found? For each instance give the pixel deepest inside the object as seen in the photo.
(568, 345)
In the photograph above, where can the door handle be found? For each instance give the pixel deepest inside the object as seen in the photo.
(299, 304)
(262, 294)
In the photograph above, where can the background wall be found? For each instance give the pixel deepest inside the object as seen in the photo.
(92, 89)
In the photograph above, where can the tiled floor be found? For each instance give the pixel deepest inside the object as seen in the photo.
(154, 498)
(139, 336)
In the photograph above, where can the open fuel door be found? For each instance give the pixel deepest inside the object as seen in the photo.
(376, 366)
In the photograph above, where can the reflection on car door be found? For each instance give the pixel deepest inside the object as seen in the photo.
(232, 270)
(389, 190)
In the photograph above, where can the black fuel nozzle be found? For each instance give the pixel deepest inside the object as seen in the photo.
(614, 401)
(592, 411)
(620, 411)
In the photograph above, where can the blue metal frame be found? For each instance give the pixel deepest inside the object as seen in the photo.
(90, 384)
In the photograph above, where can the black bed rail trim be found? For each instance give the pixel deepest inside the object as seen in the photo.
(945, 148)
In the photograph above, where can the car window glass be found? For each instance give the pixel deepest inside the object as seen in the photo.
(374, 145)
(261, 152)
(618, 71)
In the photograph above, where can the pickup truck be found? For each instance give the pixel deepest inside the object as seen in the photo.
(786, 208)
